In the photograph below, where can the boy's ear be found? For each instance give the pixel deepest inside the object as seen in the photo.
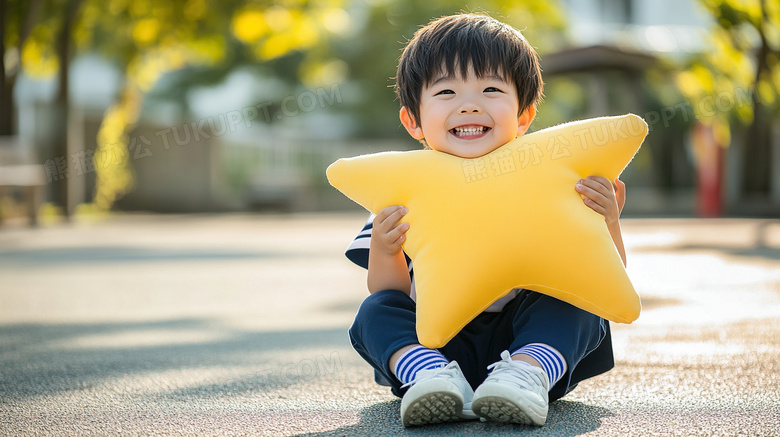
(525, 119)
(411, 126)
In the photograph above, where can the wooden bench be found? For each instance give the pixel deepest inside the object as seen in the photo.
(18, 173)
(29, 178)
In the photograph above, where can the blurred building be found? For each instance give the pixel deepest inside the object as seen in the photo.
(616, 45)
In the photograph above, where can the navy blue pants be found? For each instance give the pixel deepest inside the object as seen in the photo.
(385, 322)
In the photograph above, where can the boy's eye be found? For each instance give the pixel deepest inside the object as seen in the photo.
(492, 89)
(445, 92)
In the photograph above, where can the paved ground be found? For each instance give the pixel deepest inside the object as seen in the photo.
(236, 325)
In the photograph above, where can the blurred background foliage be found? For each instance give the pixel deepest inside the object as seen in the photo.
(308, 42)
(744, 54)
(166, 50)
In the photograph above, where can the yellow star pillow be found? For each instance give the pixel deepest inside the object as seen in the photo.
(509, 219)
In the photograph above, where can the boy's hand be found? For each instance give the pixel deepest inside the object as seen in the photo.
(388, 234)
(602, 196)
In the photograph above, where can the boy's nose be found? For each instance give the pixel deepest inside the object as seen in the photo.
(470, 109)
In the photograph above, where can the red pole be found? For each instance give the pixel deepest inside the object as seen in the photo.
(709, 174)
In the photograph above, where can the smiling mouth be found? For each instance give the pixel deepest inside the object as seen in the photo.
(469, 132)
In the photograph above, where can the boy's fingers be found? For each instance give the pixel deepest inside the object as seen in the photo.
(593, 190)
(390, 216)
(620, 187)
(386, 212)
(595, 206)
(599, 193)
(396, 233)
(599, 183)
(398, 230)
(382, 215)
(620, 193)
(600, 179)
(395, 217)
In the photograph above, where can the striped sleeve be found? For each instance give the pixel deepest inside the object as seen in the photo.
(357, 251)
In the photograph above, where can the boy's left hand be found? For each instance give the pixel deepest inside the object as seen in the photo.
(602, 196)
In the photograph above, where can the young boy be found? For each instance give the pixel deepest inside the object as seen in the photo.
(469, 84)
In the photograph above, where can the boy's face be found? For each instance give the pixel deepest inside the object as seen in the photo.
(468, 117)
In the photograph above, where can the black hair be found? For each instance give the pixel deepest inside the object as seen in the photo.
(450, 45)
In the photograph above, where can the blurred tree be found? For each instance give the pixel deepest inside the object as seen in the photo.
(147, 39)
(309, 42)
(738, 81)
(361, 50)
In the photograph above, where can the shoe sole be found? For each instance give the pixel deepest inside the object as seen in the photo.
(496, 409)
(433, 408)
(441, 402)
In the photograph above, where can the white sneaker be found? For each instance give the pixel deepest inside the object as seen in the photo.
(436, 396)
(514, 392)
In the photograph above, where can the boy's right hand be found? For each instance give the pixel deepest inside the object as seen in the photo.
(388, 233)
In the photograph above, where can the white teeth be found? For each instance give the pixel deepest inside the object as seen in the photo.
(466, 131)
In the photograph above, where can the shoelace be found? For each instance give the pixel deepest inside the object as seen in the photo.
(430, 373)
(507, 369)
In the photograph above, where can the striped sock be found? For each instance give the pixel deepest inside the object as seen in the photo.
(552, 361)
(416, 359)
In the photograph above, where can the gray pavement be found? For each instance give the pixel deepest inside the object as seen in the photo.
(236, 325)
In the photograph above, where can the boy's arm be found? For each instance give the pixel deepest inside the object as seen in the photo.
(617, 238)
(387, 267)
(607, 199)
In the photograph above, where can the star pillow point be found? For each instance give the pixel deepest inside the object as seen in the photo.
(481, 227)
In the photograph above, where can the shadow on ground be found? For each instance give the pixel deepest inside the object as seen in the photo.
(40, 359)
(51, 257)
(565, 418)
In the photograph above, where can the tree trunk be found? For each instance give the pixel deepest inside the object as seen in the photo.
(6, 90)
(757, 161)
(757, 169)
(28, 15)
(62, 103)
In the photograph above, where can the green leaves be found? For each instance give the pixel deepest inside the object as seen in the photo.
(743, 58)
